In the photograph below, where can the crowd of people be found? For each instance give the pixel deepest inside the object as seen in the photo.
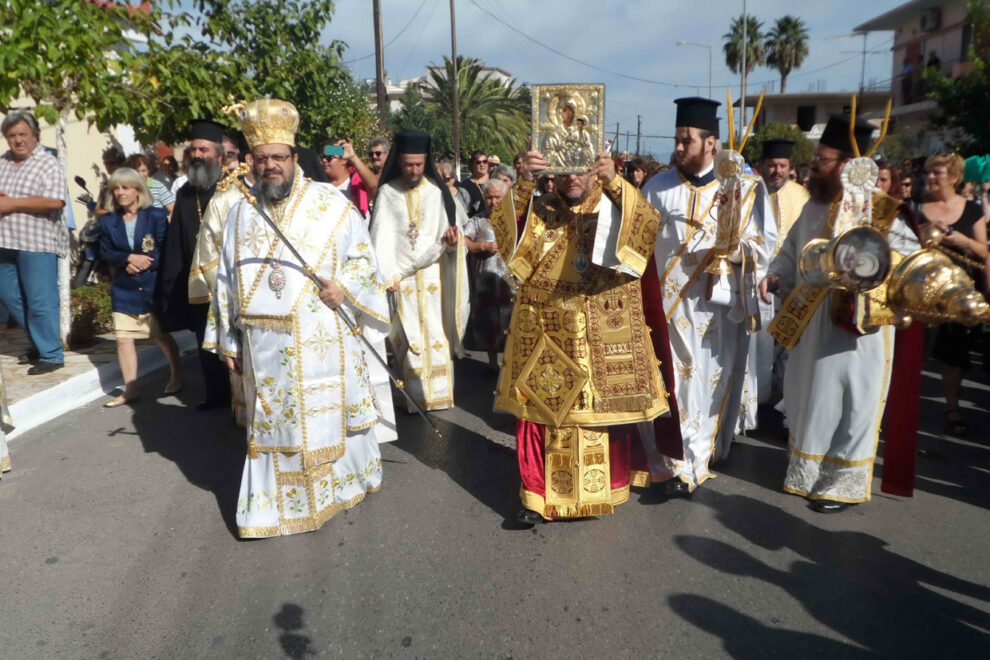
(638, 336)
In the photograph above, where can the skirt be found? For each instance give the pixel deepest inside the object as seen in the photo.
(135, 326)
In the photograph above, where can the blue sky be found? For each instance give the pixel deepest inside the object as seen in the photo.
(632, 37)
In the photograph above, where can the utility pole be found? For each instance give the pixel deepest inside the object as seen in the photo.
(456, 93)
(616, 136)
(380, 92)
(639, 125)
(862, 70)
(742, 94)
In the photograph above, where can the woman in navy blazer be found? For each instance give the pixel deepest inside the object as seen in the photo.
(131, 238)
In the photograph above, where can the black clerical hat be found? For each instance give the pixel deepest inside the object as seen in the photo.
(697, 112)
(778, 148)
(205, 129)
(412, 142)
(836, 134)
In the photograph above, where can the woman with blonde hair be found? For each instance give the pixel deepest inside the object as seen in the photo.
(131, 237)
(964, 229)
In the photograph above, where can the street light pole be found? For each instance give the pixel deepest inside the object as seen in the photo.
(691, 43)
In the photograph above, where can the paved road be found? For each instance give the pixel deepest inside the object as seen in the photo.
(117, 541)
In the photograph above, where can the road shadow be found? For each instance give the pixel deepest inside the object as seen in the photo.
(206, 446)
(294, 643)
(746, 637)
(849, 581)
(484, 469)
(945, 466)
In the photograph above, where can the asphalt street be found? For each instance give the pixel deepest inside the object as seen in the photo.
(117, 540)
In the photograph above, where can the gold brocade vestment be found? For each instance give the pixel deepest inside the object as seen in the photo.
(578, 355)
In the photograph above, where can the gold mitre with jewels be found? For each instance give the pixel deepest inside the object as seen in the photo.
(267, 121)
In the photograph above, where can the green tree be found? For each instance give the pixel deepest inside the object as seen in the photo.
(276, 50)
(803, 148)
(733, 47)
(414, 115)
(786, 47)
(54, 53)
(962, 101)
(494, 116)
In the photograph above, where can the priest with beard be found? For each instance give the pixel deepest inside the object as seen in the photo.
(415, 228)
(206, 155)
(837, 378)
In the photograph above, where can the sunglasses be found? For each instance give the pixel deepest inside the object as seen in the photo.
(481, 162)
(377, 153)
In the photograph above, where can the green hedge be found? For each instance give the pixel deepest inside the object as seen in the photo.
(91, 313)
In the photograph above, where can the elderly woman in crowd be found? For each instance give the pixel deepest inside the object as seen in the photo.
(505, 174)
(491, 296)
(964, 229)
(131, 237)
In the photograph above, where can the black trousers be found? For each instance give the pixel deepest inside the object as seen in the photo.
(216, 376)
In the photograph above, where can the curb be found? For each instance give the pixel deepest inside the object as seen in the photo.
(85, 388)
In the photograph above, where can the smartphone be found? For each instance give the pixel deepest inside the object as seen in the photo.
(333, 150)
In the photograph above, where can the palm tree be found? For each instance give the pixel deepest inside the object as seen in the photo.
(733, 48)
(786, 47)
(494, 116)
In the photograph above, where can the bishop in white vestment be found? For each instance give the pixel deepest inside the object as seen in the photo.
(836, 382)
(415, 229)
(313, 417)
(708, 328)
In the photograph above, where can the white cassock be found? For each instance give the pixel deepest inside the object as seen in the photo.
(312, 412)
(709, 342)
(835, 386)
(431, 302)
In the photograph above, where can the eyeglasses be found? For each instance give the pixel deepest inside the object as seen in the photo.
(375, 154)
(481, 162)
(278, 159)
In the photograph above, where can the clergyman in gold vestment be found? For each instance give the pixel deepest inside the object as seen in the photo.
(578, 356)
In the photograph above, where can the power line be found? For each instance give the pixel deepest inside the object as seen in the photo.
(566, 56)
(392, 40)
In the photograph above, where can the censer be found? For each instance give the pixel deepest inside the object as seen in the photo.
(928, 287)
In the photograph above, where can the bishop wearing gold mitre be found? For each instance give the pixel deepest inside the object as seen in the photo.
(580, 367)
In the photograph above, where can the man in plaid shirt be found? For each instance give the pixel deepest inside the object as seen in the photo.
(32, 237)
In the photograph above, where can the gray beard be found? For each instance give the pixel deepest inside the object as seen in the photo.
(774, 187)
(269, 191)
(204, 175)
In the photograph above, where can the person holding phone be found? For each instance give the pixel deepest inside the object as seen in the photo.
(349, 174)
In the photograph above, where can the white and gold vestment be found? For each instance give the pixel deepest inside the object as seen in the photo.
(313, 417)
(205, 262)
(835, 386)
(708, 339)
(431, 296)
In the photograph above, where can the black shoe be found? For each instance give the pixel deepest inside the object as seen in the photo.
(212, 404)
(829, 506)
(677, 488)
(44, 368)
(529, 518)
(30, 357)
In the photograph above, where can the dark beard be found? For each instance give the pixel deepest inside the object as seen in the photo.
(269, 191)
(203, 174)
(822, 190)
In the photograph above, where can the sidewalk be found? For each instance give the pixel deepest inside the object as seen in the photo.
(89, 373)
